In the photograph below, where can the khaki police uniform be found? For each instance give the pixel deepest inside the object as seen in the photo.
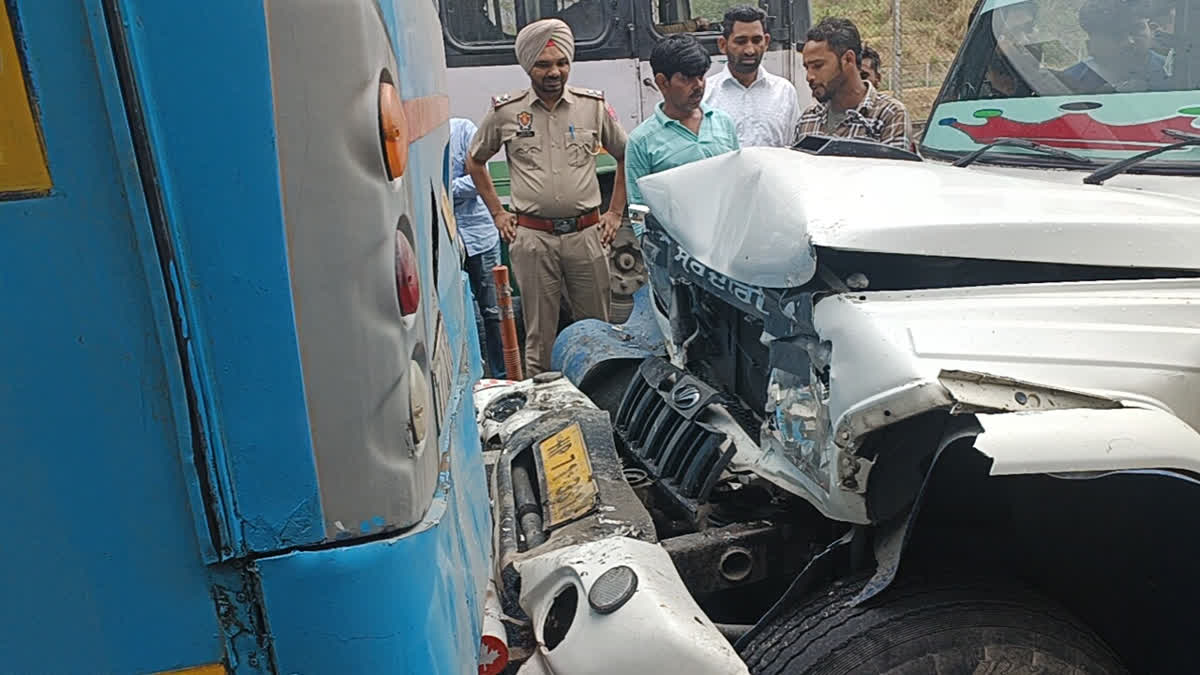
(552, 168)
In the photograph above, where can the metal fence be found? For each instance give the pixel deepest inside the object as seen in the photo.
(916, 41)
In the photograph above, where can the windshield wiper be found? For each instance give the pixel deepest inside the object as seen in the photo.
(1121, 166)
(966, 160)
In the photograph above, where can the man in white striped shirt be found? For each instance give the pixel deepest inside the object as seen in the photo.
(763, 106)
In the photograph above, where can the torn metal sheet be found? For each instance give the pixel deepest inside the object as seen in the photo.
(1130, 342)
(980, 391)
(1055, 441)
(770, 463)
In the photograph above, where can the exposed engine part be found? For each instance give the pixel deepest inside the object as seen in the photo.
(504, 407)
(736, 564)
(627, 273)
(529, 511)
(533, 412)
(723, 558)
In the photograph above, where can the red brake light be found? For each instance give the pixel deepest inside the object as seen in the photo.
(408, 282)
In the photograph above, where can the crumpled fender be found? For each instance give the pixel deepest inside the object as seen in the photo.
(585, 345)
(1072, 442)
(1087, 439)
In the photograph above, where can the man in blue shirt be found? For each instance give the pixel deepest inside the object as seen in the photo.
(682, 129)
(482, 241)
(1119, 47)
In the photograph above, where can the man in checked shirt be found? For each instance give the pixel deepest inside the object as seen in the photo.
(847, 105)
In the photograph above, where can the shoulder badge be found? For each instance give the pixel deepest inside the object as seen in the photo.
(592, 93)
(502, 99)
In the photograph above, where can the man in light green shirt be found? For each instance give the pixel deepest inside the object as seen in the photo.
(682, 129)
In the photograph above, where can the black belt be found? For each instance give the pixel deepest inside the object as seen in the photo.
(560, 225)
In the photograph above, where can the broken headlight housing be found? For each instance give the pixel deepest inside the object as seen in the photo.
(796, 424)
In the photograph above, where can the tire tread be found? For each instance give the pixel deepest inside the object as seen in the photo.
(824, 631)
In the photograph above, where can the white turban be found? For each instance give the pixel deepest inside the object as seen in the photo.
(538, 35)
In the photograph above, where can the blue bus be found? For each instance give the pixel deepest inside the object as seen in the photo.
(237, 353)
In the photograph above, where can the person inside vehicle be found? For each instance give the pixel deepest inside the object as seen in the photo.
(1162, 26)
(1119, 47)
(847, 105)
(1001, 80)
(1162, 23)
(764, 106)
(683, 129)
(1016, 52)
(869, 66)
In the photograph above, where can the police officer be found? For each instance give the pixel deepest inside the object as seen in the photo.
(551, 134)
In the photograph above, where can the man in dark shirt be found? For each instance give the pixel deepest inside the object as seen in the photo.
(1120, 58)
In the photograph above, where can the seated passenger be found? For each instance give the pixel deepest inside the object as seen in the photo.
(1119, 41)
(1166, 44)
(1002, 81)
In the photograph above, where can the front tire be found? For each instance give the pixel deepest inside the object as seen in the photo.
(925, 627)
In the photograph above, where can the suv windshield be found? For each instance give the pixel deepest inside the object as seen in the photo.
(1102, 78)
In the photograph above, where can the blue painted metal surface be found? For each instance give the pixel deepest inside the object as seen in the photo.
(410, 604)
(211, 122)
(104, 481)
(585, 345)
(102, 569)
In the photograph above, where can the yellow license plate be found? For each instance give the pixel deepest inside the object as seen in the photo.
(22, 159)
(570, 489)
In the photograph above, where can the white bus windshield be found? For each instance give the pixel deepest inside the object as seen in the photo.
(1102, 78)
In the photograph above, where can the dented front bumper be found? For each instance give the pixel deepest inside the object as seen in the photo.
(586, 585)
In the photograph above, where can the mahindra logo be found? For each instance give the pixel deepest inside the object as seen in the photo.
(686, 396)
